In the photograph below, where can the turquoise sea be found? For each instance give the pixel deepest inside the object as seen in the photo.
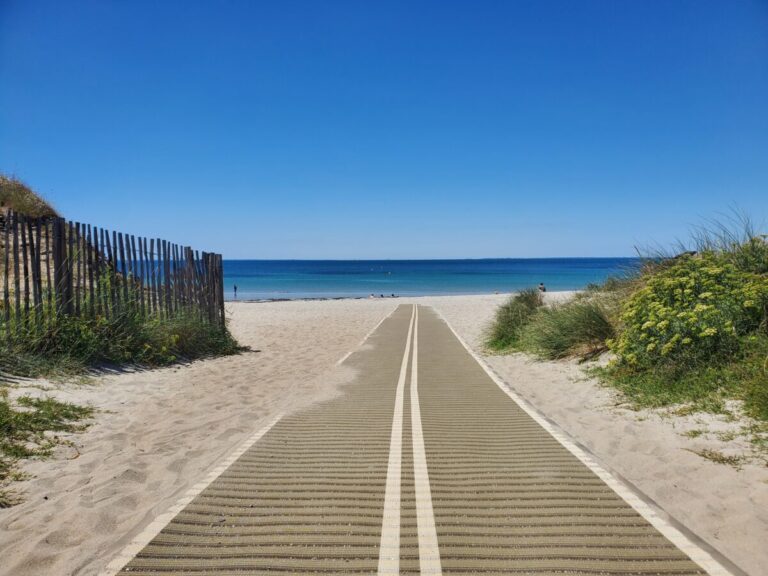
(291, 279)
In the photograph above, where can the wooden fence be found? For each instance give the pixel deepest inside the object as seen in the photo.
(52, 267)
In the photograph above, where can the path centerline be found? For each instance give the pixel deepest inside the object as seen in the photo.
(389, 549)
(429, 553)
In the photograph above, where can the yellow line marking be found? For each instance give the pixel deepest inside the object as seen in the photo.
(389, 549)
(425, 516)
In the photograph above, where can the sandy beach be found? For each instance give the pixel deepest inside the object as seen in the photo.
(159, 432)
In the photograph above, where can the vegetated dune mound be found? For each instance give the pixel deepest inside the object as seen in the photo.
(17, 196)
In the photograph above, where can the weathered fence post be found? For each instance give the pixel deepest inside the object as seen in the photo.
(94, 274)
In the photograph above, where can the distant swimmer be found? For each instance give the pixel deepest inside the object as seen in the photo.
(235, 291)
(542, 288)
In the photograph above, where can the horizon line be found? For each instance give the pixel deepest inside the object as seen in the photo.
(432, 259)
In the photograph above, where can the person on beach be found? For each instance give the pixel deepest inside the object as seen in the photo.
(235, 291)
(542, 288)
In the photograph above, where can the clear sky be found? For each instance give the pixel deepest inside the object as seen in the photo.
(357, 129)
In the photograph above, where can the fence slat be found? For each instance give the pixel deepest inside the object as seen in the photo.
(7, 270)
(76, 260)
(98, 236)
(167, 278)
(152, 278)
(114, 291)
(52, 267)
(16, 276)
(25, 264)
(176, 278)
(141, 274)
(38, 267)
(89, 259)
(48, 257)
(34, 263)
(98, 247)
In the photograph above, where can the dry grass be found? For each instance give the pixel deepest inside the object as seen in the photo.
(17, 196)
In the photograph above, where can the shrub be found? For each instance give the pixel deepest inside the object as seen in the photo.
(693, 308)
(577, 328)
(511, 317)
(705, 385)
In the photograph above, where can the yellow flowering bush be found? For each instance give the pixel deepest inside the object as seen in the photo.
(695, 307)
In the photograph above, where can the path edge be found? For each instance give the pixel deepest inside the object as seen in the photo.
(362, 342)
(144, 537)
(696, 548)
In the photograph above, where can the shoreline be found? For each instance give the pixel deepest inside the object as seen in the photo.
(385, 297)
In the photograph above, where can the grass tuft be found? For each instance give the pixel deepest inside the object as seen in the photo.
(576, 328)
(511, 318)
(720, 458)
(25, 432)
(16, 195)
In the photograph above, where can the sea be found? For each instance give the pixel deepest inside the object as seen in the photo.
(304, 279)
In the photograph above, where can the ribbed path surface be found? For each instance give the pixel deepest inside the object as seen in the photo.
(479, 487)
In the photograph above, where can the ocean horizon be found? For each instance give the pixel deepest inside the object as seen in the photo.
(303, 279)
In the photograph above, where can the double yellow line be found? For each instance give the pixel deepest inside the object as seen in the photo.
(389, 550)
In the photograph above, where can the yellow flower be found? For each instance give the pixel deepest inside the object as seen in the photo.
(667, 348)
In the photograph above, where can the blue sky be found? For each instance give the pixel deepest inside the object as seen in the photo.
(326, 129)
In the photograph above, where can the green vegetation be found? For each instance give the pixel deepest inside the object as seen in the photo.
(511, 317)
(26, 427)
(65, 345)
(694, 309)
(576, 328)
(720, 458)
(688, 330)
(16, 195)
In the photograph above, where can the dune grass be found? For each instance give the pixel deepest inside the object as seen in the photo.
(71, 345)
(16, 195)
(576, 328)
(511, 318)
(27, 430)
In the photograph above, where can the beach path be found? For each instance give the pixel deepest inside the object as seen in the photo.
(422, 465)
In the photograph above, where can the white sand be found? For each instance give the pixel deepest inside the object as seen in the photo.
(159, 432)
